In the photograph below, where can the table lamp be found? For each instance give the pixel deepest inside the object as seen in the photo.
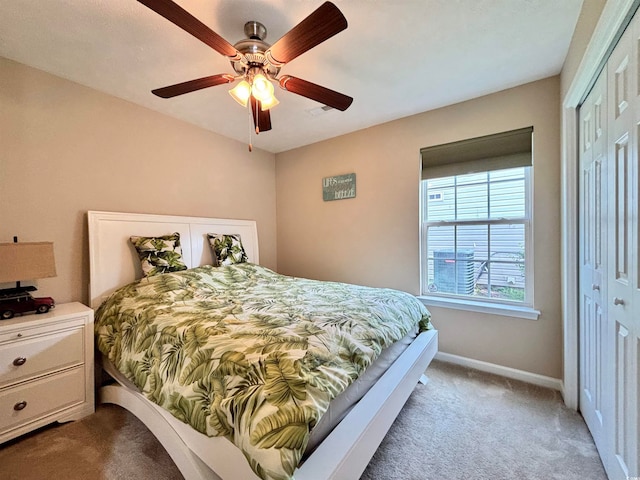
(26, 261)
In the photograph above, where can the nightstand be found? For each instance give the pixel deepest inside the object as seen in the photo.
(46, 369)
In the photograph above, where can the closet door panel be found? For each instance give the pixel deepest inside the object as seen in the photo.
(634, 307)
(620, 224)
(592, 247)
(622, 258)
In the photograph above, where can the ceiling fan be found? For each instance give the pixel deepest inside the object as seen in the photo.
(256, 63)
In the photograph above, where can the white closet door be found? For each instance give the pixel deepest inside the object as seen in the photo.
(633, 316)
(593, 261)
(623, 252)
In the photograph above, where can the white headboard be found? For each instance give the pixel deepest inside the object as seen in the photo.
(113, 260)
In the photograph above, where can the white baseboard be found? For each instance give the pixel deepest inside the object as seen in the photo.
(528, 377)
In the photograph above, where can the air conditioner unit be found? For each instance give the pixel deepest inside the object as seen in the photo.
(451, 274)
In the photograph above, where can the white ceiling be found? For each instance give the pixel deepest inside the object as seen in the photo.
(396, 58)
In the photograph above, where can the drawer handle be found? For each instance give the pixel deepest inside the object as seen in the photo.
(618, 301)
(19, 361)
(20, 406)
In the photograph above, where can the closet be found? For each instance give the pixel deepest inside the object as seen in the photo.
(609, 258)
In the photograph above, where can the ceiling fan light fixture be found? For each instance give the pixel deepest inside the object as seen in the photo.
(268, 103)
(261, 88)
(241, 92)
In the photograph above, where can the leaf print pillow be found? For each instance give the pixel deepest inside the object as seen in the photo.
(159, 254)
(227, 249)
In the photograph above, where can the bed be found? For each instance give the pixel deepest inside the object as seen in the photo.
(349, 443)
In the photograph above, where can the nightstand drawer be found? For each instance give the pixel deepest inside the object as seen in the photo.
(38, 355)
(23, 328)
(34, 400)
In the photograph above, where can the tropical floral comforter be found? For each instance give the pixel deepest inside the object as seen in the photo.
(244, 352)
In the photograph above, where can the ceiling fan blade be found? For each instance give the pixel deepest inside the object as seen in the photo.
(321, 25)
(183, 19)
(193, 85)
(316, 92)
(261, 118)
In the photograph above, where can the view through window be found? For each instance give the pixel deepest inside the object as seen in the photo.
(474, 233)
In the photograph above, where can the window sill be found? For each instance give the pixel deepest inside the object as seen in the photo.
(482, 307)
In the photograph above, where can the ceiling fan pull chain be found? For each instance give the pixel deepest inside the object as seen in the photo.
(250, 129)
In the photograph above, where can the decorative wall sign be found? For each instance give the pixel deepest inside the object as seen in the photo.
(339, 187)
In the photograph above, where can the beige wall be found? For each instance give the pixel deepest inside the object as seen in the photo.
(374, 238)
(66, 149)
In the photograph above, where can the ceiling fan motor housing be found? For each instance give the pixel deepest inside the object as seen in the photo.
(255, 30)
(253, 48)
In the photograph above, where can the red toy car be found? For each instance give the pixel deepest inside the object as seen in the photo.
(23, 302)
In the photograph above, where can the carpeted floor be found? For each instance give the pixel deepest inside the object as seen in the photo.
(463, 424)
(466, 424)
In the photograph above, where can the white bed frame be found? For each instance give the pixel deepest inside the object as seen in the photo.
(346, 451)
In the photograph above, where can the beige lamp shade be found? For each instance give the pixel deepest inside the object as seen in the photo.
(26, 261)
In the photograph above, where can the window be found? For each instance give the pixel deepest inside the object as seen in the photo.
(476, 220)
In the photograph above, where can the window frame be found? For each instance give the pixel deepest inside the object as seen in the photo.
(524, 309)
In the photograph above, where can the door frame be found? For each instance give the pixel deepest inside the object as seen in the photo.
(615, 16)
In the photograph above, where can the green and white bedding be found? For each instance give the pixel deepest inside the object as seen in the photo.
(246, 353)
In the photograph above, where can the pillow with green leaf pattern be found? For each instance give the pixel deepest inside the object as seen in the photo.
(159, 254)
(227, 249)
